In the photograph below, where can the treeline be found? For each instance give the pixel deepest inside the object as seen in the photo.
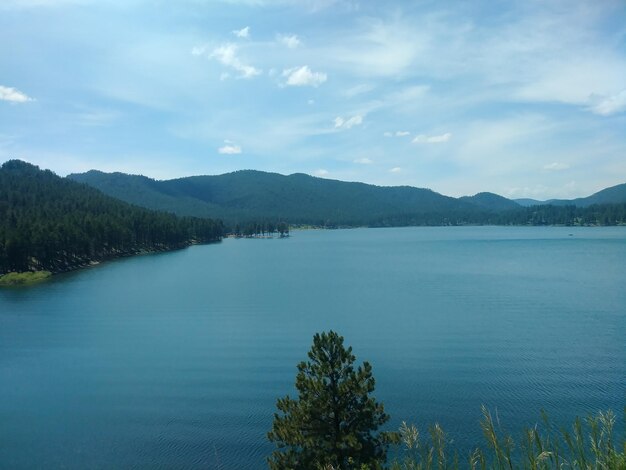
(598, 214)
(54, 224)
(261, 229)
(594, 215)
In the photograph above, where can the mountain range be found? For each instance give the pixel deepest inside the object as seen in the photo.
(613, 195)
(49, 223)
(248, 195)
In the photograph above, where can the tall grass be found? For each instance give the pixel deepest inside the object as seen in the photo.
(588, 445)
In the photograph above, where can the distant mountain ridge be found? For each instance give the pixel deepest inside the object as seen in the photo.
(613, 195)
(298, 199)
(491, 202)
(250, 195)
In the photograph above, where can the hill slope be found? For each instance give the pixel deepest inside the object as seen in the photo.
(248, 195)
(55, 224)
(491, 202)
(613, 195)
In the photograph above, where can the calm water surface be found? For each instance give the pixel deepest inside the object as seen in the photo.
(176, 360)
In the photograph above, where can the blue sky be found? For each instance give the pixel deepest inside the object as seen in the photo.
(525, 99)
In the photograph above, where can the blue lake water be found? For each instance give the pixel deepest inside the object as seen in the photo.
(177, 359)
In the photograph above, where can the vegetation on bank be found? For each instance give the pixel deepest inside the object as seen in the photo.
(567, 215)
(20, 279)
(48, 223)
(334, 425)
(588, 445)
(261, 229)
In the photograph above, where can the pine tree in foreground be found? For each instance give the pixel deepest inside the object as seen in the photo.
(333, 422)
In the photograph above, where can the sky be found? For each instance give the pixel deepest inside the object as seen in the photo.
(521, 98)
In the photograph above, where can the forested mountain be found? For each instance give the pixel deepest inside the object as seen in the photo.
(528, 202)
(247, 195)
(491, 202)
(613, 195)
(55, 224)
(244, 197)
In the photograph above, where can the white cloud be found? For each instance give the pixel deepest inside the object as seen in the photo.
(388, 134)
(303, 76)
(402, 133)
(13, 95)
(432, 139)
(291, 41)
(552, 54)
(227, 55)
(539, 52)
(556, 166)
(358, 90)
(610, 104)
(353, 121)
(341, 123)
(242, 33)
(229, 149)
(395, 169)
(321, 172)
(310, 102)
(363, 161)
(386, 48)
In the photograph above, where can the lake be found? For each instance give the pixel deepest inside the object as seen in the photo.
(177, 359)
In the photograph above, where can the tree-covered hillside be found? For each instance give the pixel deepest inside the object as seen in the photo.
(613, 195)
(55, 224)
(251, 198)
(491, 202)
(244, 196)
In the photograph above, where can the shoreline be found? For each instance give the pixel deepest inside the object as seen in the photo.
(36, 276)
